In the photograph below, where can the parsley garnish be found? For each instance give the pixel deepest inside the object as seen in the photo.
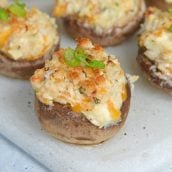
(3, 14)
(16, 8)
(78, 57)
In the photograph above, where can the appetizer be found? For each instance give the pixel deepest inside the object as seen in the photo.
(27, 39)
(82, 94)
(162, 4)
(155, 50)
(106, 22)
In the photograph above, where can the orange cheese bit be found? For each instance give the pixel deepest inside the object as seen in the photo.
(115, 113)
(124, 93)
(59, 10)
(102, 91)
(4, 36)
(85, 105)
(158, 32)
(77, 108)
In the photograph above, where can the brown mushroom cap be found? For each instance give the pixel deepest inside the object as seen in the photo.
(69, 126)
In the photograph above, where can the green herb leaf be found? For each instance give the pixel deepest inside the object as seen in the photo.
(170, 28)
(3, 14)
(77, 57)
(18, 9)
(96, 64)
(80, 55)
(69, 58)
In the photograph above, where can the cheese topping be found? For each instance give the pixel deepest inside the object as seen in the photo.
(101, 15)
(157, 39)
(97, 93)
(28, 38)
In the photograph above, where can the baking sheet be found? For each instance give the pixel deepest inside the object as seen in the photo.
(143, 144)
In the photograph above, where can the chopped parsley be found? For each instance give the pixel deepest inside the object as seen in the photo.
(78, 57)
(3, 14)
(16, 8)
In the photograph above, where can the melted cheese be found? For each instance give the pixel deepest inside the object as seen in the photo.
(101, 15)
(4, 36)
(28, 38)
(115, 113)
(97, 93)
(156, 37)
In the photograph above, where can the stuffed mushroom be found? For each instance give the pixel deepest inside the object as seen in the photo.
(27, 39)
(155, 50)
(82, 94)
(104, 22)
